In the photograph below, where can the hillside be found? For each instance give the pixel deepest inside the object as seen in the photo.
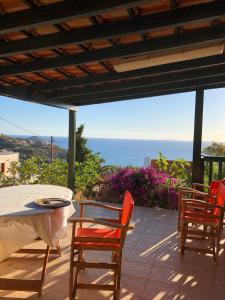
(31, 147)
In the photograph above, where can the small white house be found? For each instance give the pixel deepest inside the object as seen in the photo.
(44, 143)
(147, 162)
(6, 158)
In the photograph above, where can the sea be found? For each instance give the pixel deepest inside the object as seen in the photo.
(124, 152)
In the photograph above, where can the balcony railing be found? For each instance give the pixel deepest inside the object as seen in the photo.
(213, 167)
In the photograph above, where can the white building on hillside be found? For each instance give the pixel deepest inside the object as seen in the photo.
(6, 158)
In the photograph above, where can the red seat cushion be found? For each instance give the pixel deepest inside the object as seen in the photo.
(199, 212)
(201, 216)
(105, 233)
(98, 233)
(201, 219)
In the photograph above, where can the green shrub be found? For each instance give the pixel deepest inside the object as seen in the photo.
(87, 174)
(54, 173)
(178, 168)
(34, 170)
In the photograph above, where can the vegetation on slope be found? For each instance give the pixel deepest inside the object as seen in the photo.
(215, 149)
(30, 147)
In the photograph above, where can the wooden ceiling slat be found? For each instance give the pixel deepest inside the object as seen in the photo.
(139, 24)
(15, 92)
(220, 79)
(175, 81)
(196, 38)
(168, 30)
(61, 12)
(203, 64)
(139, 82)
(167, 91)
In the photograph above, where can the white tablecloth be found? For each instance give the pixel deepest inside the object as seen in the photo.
(22, 221)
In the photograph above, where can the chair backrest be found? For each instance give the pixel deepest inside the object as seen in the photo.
(214, 186)
(220, 198)
(128, 205)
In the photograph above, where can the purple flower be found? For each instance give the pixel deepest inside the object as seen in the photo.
(148, 187)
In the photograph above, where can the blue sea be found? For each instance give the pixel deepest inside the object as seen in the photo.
(123, 152)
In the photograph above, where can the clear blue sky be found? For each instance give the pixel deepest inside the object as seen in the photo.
(166, 117)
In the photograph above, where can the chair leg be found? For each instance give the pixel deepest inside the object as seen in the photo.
(183, 238)
(44, 270)
(118, 281)
(213, 244)
(74, 281)
(81, 257)
(71, 273)
(74, 290)
(115, 284)
(218, 243)
(178, 220)
(114, 255)
(205, 228)
(118, 277)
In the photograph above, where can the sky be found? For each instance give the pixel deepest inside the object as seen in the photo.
(168, 117)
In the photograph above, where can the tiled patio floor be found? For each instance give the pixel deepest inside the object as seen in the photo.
(152, 266)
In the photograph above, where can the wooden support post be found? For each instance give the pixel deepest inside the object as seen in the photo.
(51, 149)
(72, 149)
(197, 175)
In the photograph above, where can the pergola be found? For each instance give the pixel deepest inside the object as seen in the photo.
(70, 53)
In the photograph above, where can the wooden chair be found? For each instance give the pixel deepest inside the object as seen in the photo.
(189, 193)
(110, 238)
(201, 192)
(206, 222)
(211, 190)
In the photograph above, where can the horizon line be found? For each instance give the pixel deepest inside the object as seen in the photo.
(119, 138)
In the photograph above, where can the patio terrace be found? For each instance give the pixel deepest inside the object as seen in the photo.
(152, 266)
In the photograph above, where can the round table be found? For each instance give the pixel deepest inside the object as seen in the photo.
(22, 221)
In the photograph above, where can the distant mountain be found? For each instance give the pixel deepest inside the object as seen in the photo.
(32, 146)
(34, 139)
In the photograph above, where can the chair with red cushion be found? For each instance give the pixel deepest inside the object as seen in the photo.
(203, 219)
(211, 189)
(201, 192)
(109, 238)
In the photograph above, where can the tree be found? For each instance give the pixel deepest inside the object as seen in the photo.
(216, 149)
(81, 149)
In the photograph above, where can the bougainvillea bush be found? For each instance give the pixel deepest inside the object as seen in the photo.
(148, 186)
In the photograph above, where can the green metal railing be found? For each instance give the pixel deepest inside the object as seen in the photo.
(213, 167)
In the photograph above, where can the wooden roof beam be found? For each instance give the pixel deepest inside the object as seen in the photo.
(212, 63)
(61, 12)
(156, 90)
(24, 95)
(138, 82)
(15, 92)
(138, 24)
(149, 94)
(215, 64)
(195, 39)
(78, 100)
